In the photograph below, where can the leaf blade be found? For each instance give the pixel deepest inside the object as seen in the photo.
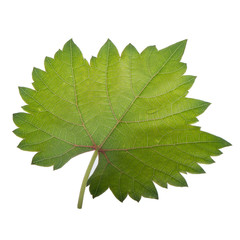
(130, 107)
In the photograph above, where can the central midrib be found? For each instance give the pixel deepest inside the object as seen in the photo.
(75, 93)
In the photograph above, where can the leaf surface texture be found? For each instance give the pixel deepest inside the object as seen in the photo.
(131, 107)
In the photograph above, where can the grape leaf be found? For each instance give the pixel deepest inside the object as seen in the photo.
(131, 109)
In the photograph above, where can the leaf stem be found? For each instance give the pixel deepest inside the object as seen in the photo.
(85, 178)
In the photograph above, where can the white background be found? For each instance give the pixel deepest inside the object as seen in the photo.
(39, 203)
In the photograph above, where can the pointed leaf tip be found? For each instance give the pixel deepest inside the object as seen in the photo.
(110, 43)
(183, 42)
(70, 41)
(129, 49)
(69, 44)
(226, 143)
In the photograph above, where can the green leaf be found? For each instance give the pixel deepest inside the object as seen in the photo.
(131, 109)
